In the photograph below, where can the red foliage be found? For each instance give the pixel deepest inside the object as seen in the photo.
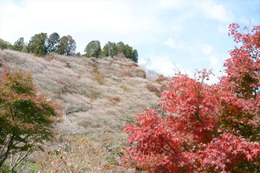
(127, 74)
(204, 128)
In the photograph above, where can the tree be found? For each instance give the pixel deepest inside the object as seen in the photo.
(130, 53)
(67, 46)
(19, 44)
(201, 127)
(38, 44)
(53, 42)
(78, 54)
(26, 115)
(109, 50)
(25, 49)
(93, 49)
(5, 44)
(120, 46)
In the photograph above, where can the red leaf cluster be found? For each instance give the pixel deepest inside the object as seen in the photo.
(201, 127)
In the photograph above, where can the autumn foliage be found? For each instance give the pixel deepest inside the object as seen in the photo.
(26, 116)
(202, 127)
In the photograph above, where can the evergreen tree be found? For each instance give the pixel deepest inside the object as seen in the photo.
(93, 49)
(109, 50)
(19, 44)
(53, 42)
(38, 44)
(67, 46)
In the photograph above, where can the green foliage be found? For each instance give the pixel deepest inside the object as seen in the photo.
(109, 50)
(25, 49)
(38, 44)
(67, 46)
(100, 79)
(5, 44)
(120, 47)
(124, 88)
(26, 116)
(93, 49)
(78, 54)
(6, 169)
(53, 42)
(130, 53)
(19, 44)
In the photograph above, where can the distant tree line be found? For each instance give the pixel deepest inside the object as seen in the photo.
(40, 45)
(93, 49)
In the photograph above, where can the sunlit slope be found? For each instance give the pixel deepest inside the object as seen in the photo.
(99, 96)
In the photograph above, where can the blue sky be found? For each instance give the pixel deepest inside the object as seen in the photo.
(169, 34)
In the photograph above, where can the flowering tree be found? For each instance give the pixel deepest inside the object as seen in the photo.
(201, 127)
(26, 116)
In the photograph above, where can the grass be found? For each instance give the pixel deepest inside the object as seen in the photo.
(124, 88)
(99, 78)
(80, 154)
(6, 169)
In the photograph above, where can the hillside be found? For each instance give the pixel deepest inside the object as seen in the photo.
(99, 96)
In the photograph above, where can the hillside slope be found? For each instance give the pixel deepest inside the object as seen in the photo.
(98, 95)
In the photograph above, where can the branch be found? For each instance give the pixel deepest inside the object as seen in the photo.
(9, 146)
(167, 150)
(168, 144)
(18, 161)
(198, 110)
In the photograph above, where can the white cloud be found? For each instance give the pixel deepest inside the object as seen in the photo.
(207, 49)
(141, 24)
(164, 65)
(171, 43)
(171, 3)
(223, 29)
(214, 62)
(216, 11)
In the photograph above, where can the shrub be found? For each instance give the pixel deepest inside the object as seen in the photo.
(100, 79)
(161, 79)
(152, 88)
(131, 65)
(124, 88)
(6, 169)
(50, 58)
(114, 99)
(164, 87)
(141, 73)
(77, 154)
(127, 74)
(26, 116)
